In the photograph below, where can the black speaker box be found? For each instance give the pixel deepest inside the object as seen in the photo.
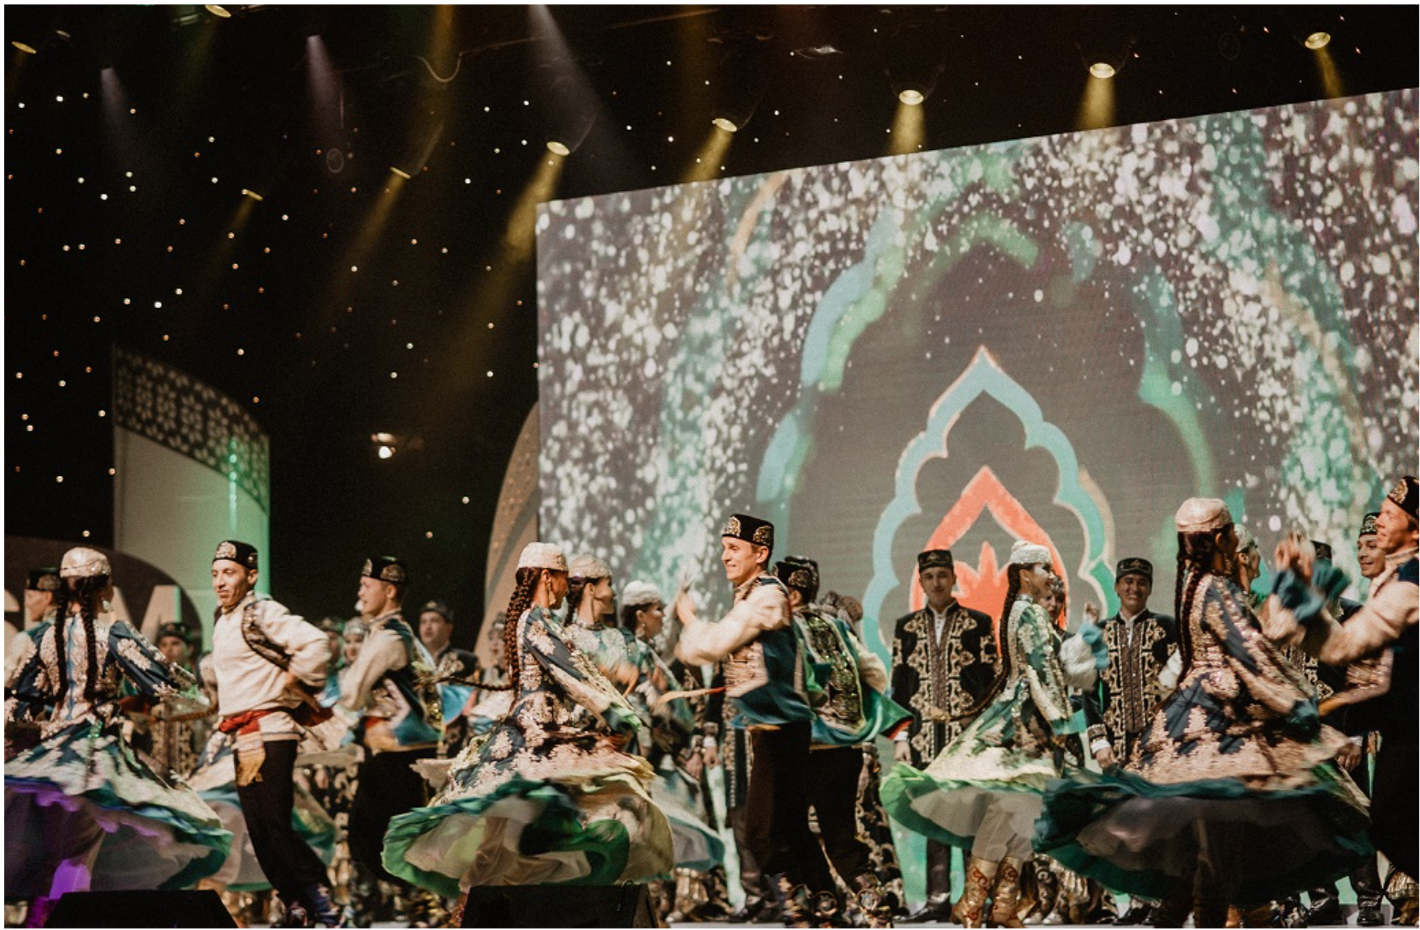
(140, 909)
(559, 906)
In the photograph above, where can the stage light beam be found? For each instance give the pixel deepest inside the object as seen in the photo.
(909, 129)
(1097, 105)
(711, 155)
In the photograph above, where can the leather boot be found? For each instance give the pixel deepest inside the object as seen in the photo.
(1007, 894)
(1366, 880)
(1047, 889)
(1325, 910)
(871, 900)
(979, 876)
(790, 900)
(939, 881)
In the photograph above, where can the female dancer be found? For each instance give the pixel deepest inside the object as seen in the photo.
(983, 791)
(1230, 796)
(547, 795)
(591, 625)
(82, 811)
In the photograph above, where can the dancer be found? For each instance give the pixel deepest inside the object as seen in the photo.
(269, 664)
(850, 710)
(1230, 796)
(764, 695)
(82, 812)
(984, 790)
(546, 796)
(591, 624)
(943, 665)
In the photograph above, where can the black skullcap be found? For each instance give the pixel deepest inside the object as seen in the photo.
(244, 554)
(799, 573)
(1405, 494)
(750, 529)
(43, 579)
(1134, 566)
(440, 608)
(1368, 524)
(1323, 550)
(385, 568)
(173, 629)
(934, 558)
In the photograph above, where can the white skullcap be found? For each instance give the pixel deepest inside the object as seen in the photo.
(82, 562)
(543, 555)
(640, 594)
(1201, 515)
(588, 566)
(1028, 553)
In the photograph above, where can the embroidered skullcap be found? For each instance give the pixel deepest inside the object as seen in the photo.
(385, 568)
(244, 554)
(1405, 494)
(934, 558)
(1323, 550)
(1134, 566)
(1368, 524)
(750, 529)
(587, 566)
(440, 608)
(82, 562)
(331, 624)
(543, 555)
(1202, 515)
(799, 573)
(1028, 553)
(43, 579)
(641, 594)
(173, 629)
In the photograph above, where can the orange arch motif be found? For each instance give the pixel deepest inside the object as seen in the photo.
(983, 585)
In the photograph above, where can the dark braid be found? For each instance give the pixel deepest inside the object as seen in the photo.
(527, 579)
(1195, 559)
(1013, 589)
(575, 588)
(1003, 644)
(85, 593)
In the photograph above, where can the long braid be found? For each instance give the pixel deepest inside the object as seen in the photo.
(60, 647)
(526, 581)
(575, 588)
(1013, 590)
(86, 592)
(1195, 557)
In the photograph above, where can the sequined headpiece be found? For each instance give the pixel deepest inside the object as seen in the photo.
(587, 566)
(1368, 524)
(1323, 550)
(640, 594)
(1202, 515)
(83, 562)
(1028, 553)
(543, 555)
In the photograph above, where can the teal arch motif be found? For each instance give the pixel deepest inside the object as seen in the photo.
(985, 376)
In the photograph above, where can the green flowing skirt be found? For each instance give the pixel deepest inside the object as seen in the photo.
(1140, 837)
(597, 831)
(155, 835)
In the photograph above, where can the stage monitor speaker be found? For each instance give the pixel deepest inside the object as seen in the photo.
(559, 906)
(140, 909)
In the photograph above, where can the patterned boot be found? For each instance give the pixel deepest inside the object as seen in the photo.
(978, 879)
(790, 900)
(1007, 895)
(871, 900)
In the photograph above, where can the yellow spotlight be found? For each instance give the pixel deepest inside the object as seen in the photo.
(403, 174)
(1317, 40)
(1097, 105)
(911, 97)
(246, 192)
(25, 47)
(721, 122)
(1102, 70)
(558, 148)
(217, 9)
(711, 155)
(909, 129)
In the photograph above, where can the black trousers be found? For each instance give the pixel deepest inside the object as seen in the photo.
(388, 787)
(777, 809)
(288, 862)
(833, 793)
(1394, 807)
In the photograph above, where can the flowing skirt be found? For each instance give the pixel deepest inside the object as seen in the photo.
(154, 835)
